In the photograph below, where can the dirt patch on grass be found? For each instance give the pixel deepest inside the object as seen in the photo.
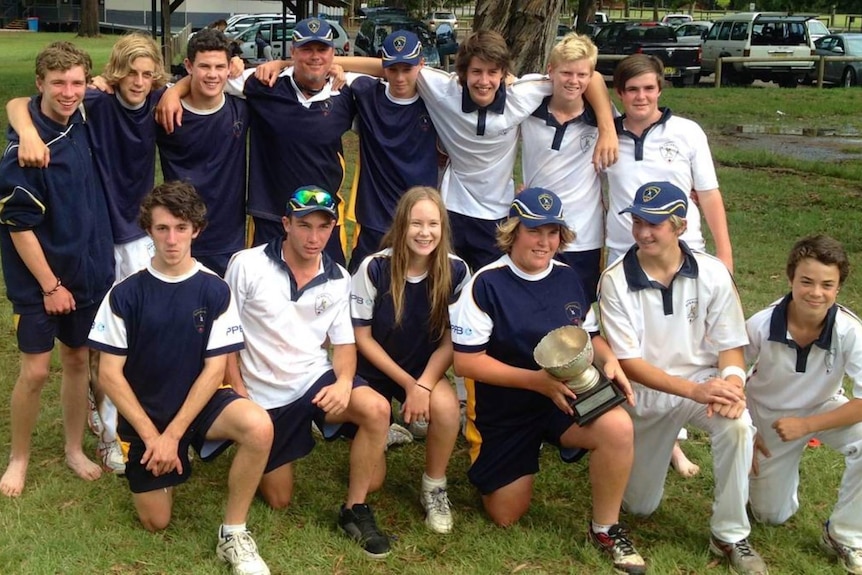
(812, 148)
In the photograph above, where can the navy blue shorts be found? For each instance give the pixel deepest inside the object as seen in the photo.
(588, 265)
(265, 230)
(142, 481)
(506, 454)
(36, 331)
(474, 240)
(291, 425)
(367, 243)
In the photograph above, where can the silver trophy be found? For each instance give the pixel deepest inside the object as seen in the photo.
(567, 354)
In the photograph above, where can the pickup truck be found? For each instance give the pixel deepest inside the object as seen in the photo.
(681, 62)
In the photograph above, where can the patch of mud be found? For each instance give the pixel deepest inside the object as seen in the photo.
(812, 148)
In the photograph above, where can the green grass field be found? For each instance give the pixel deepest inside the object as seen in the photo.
(62, 525)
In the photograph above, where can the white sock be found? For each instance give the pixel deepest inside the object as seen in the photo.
(429, 484)
(600, 528)
(231, 529)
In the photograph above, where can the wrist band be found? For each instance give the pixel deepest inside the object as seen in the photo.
(53, 291)
(428, 389)
(734, 370)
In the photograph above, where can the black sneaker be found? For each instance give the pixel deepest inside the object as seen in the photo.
(358, 522)
(617, 544)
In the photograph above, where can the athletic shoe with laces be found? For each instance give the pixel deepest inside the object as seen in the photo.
(849, 557)
(617, 544)
(94, 421)
(240, 551)
(438, 512)
(398, 435)
(418, 429)
(111, 455)
(742, 557)
(358, 522)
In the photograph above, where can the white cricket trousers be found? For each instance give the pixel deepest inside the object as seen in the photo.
(657, 418)
(774, 492)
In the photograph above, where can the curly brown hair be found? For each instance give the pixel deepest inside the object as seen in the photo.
(180, 199)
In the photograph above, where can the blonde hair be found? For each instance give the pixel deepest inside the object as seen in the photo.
(678, 223)
(507, 233)
(126, 50)
(573, 47)
(439, 268)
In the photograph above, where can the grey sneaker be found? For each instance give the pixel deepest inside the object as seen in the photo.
(743, 559)
(398, 435)
(438, 512)
(240, 552)
(849, 557)
(418, 429)
(617, 544)
(358, 522)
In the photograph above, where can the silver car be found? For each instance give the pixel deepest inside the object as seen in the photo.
(842, 73)
(276, 33)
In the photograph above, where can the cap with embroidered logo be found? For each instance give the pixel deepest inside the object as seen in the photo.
(655, 202)
(401, 47)
(537, 207)
(312, 30)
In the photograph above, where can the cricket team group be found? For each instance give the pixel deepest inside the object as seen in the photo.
(192, 340)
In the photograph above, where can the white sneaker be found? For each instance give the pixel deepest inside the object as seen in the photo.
(113, 459)
(398, 435)
(240, 551)
(94, 421)
(419, 429)
(438, 512)
(849, 557)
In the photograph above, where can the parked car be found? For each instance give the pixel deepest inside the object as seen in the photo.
(447, 40)
(772, 35)
(816, 29)
(239, 23)
(842, 73)
(277, 32)
(372, 32)
(693, 33)
(435, 18)
(676, 19)
(681, 62)
(562, 31)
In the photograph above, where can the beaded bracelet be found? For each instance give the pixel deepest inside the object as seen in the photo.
(53, 291)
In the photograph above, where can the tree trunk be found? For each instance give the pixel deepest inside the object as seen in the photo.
(529, 27)
(89, 27)
(586, 11)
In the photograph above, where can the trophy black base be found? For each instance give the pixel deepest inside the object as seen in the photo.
(597, 400)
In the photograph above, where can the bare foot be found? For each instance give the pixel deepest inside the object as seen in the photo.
(82, 466)
(12, 483)
(682, 464)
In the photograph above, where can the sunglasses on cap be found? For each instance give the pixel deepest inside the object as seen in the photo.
(312, 196)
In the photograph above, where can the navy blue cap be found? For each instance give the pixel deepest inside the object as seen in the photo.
(308, 199)
(536, 207)
(401, 47)
(657, 201)
(312, 30)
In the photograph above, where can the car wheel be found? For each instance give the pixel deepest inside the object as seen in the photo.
(849, 77)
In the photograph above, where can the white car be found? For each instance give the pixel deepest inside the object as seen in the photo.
(276, 33)
(433, 19)
(239, 23)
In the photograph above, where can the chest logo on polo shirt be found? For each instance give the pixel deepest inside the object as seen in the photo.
(326, 106)
(829, 360)
(425, 123)
(668, 151)
(588, 141)
(200, 319)
(237, 129)
(573, 313)
(691, 310)
(322, 303)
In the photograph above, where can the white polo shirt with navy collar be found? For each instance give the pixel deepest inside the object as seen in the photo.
(680, 328)
(672, 150)
(285, 327)
(559, 157)
(482, 143)
(788, 377)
